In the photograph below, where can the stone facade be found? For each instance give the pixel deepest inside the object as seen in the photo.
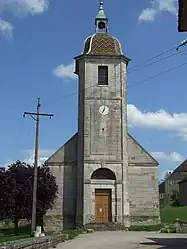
(142, 185)
(102, 157)
(102, 139)
(182, 192)
(63, 165)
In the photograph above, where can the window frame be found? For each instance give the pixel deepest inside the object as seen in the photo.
(104, 76)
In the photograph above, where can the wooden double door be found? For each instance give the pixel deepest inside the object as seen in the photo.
(103, 206)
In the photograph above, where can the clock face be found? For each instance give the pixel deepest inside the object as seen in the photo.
(103, 110)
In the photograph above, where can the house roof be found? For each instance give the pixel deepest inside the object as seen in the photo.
(182, 16)
(182, 167)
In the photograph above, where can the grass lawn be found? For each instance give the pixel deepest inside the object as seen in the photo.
(170, 214)
(71, 233)
(7, 234)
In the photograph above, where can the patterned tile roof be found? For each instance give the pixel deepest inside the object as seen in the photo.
(102, 44)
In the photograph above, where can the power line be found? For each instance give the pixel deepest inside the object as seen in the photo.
(152, 58)
(156, 75)
(128, 86)
(154, 62)
(138, 67)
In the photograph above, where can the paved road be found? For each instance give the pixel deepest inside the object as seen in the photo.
(126, 240)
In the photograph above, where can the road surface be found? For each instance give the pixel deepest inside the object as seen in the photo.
(126, 240)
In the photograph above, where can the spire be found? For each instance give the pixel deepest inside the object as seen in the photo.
(101, 5)
(101, 20)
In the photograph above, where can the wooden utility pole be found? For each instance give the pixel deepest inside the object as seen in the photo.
(36, 116)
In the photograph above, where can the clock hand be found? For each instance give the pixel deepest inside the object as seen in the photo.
(103, 109)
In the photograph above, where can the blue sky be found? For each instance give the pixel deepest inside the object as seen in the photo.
(38, 40)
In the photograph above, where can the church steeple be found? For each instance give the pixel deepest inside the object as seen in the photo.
(101, 21)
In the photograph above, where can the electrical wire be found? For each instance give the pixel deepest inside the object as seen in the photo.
(152, 58)
(154, 62)
(156, 75)
(135, 68)
(128, 86)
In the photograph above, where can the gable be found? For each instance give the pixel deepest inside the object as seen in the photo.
(66, 154)
(137, 154)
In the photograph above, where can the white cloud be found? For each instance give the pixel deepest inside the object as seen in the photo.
(147, 15)
(172, 157)
(28, 157)
(164, 174)
(6, 28)
(158, 6)
(160, 120)
(43, 156)
(19, 8)
(65, 71)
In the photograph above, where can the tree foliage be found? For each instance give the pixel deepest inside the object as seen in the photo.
(16, 192)
(175, 199)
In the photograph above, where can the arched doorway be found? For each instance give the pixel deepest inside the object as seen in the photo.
(103, 181)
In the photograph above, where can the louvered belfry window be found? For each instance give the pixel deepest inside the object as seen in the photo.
(103, 75)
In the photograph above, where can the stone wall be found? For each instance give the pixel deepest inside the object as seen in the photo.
(144, 194)
(64, 212)
(143, 185)
(181, 226)
(63, 165)
(36, 243)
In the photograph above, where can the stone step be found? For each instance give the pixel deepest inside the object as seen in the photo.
(106, 227)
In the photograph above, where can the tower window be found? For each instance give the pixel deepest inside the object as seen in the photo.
(103, 75)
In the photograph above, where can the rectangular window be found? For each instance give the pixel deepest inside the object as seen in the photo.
(102, 75)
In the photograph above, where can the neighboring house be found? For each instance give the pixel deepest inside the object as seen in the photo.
(183, 192)
(182, 22)
(171, 185)
(103, 174)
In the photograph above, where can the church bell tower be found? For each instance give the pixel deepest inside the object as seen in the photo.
(102, 163)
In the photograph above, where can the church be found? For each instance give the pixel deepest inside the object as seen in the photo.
(104, 175)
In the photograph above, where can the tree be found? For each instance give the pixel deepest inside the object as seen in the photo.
(175, 199)
(46, 193)
(16, 196)
(6, 197)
